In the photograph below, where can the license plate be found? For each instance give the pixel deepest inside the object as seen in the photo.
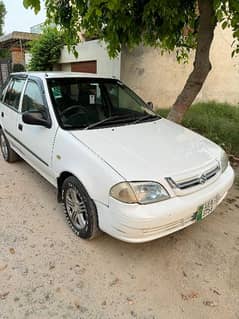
(206, 209)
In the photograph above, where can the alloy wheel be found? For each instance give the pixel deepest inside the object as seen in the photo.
(76, 208)
(4, 147)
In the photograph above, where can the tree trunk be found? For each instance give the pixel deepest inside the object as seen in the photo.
(202, 65)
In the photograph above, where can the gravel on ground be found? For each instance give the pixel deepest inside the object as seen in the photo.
(47, 272)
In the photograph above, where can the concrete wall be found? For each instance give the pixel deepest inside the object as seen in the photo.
(160, 78)
(88, 51)
(27, 58)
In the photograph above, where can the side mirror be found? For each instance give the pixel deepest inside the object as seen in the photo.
(150, 105)
(40, 118)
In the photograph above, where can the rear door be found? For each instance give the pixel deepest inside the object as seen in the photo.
(36, 141)
(10, 103)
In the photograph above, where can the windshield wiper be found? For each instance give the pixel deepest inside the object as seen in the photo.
(113, 119)
(69, 126)
(146, 117)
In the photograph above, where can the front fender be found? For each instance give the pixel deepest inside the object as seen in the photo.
(73, 156)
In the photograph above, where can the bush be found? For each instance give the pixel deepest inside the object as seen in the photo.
(217, 121)
(46, 50)
(18, 68)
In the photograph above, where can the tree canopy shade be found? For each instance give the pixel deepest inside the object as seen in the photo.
(4, 53)
(46, 50)
(2, 16)
(175, 25)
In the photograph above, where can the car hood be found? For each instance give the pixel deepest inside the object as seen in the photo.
(151, 150)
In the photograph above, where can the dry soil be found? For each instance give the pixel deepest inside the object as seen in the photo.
(47, 272)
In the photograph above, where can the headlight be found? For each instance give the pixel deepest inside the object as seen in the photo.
(139, 192)
(224, 161)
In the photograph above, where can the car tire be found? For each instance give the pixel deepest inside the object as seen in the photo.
(7, 152)
(80, 210)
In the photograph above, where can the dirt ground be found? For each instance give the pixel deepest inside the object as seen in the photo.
(47, 272)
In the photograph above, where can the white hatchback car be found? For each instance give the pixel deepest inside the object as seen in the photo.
(118, 166)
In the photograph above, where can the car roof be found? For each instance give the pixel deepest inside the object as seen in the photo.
(61, 74)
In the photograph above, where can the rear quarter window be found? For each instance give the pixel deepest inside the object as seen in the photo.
(4, 89)
(13, 94)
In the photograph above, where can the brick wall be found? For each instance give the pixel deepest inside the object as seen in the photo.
(18, 56)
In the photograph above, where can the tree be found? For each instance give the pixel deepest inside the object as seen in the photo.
(176, 25)
(2, 16)
(46, 50)
(3, 52)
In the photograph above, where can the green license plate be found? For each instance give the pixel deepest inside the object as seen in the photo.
(206, 209)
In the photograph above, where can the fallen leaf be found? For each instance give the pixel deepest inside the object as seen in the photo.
(209, 303)
(3, 268)
(191, 295)
(198, 264)
(77, 304)
(216, 292)
(114, 282)
(130, 301)
(4, 295)
(12, 251)
(51, 266)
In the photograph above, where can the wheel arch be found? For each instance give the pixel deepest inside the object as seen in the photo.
(60, 181)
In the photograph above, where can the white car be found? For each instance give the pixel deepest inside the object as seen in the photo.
(118, 166)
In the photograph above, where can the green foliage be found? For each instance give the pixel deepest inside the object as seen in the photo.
(18, 68)
(46, 50)
(170, 25)
(5, 53)
(2, 16)
(216, 121)
(227, 13)
(33, 4)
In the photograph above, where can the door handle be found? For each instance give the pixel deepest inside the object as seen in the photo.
(2, 114)
(20, 127)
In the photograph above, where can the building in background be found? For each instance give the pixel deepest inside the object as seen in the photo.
(38, 28)
(160, 79)
(17, 44)
(92, 58)
(156, 77)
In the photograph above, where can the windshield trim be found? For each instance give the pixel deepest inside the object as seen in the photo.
(100, 81)
(111, 125)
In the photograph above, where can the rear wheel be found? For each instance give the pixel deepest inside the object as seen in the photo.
(80, 210)
(7, 152)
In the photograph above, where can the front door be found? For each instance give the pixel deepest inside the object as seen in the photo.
(36, 141)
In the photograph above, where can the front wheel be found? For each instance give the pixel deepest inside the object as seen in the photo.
(7, 152)
(79, 208)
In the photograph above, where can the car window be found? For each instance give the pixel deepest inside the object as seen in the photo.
(82, 102)
(122, 98)
(13, 94)
(69, 94)
(4, 89)
(32, 99)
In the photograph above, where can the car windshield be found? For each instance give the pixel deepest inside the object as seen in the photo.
(85, 103)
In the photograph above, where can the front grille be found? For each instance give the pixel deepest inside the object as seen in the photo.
(206, 176)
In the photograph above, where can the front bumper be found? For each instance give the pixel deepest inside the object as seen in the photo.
(141, 223)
